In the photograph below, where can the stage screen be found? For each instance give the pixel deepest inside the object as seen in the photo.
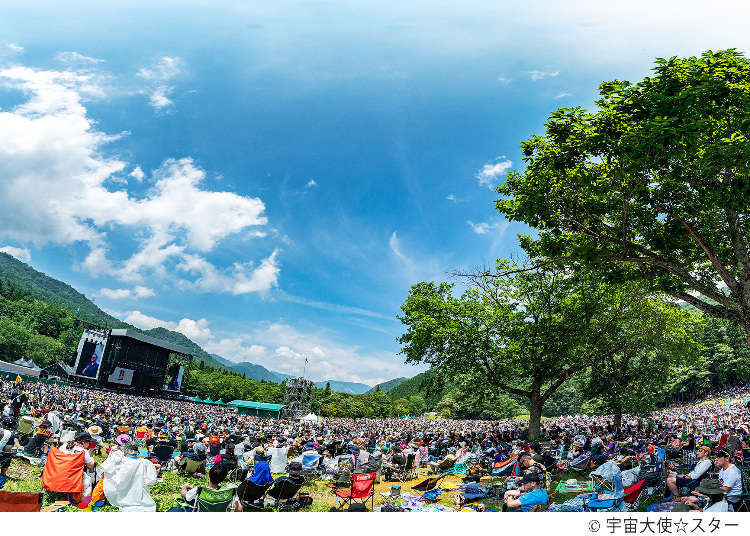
(89, 360)
(122, 376)
(174, 377)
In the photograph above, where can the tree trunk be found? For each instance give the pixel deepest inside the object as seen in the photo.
(618, 420)
(535, 417)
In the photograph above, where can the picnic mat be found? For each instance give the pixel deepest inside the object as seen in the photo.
(581, 487)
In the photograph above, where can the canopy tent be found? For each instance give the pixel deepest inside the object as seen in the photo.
(259, 409)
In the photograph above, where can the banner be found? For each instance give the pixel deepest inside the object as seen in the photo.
(122, 376)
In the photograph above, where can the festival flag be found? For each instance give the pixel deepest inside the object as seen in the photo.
(18, 379)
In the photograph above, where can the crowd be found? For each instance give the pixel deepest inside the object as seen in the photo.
(143, 437)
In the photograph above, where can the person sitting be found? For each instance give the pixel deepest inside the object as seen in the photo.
(7, 443)
(692, 479)
(34, 448)
(447, 462)
(82, 443)
(198, 453)
(261, 473)
(730, 478)
(531, 493)
(216, 475)
(127, 479)
(709, 489)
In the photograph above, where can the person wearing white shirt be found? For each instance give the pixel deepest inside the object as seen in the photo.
(730, 478)
(676, 481)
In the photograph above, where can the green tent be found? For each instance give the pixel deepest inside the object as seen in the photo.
(209, 401)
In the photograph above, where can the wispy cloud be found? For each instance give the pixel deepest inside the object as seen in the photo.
(311, 184)
(451, 198)
(490, 172)
(541, 75)
(72, 57)
(157, 76)
(485, 227)
(15, 47)
(334, 307)
(125, 293)
(563, 95)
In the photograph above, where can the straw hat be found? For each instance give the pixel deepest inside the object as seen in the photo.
(95, 430)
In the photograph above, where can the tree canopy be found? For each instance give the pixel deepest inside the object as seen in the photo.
(525, 333)
(654, 184)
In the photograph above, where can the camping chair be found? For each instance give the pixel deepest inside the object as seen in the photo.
(345, 469)
(163, 453)
(362, 490)
(25, 426)
(606, 502)
(633, 495)
(407, 471)
(209, 500)
(310, 465)
(63, 472)
(190, 467)
(251, 496)
(744, 504)
(429, 483)
(283, 490)
(20, 501)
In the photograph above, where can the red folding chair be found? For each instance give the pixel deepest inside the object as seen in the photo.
(633, 495)
(362, 490)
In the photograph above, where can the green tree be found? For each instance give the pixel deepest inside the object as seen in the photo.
(633, 380)
(653, 184)
(402, 407)
(525, 333)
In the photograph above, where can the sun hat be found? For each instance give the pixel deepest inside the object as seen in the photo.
(710, 486)
(95, 430)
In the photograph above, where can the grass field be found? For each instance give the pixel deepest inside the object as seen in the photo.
(26, 477)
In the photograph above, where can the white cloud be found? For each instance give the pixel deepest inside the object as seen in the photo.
(15, 47)
(76, 58)
(156, 76)
(159, 97)
(490, 172)
(541, 75)
(311, 184)
(137, 174)
(563, 95)
(144, 321)
(22, 254)
(283, 348)
(393, 242)
(335, 307)
(49, 144)
(125, 293)
(486, 227)
(195, 330)
(451, 197)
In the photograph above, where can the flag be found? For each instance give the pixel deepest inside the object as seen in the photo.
(18, 379)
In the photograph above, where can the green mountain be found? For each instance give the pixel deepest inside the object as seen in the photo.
(44, 287)
(407, 388)
(387, 386)
(250, 370)
(352, 388)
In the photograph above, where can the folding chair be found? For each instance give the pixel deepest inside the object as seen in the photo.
(284, 489)
(634, 494)
(362, 490)
(251, 496)
(20, 501)
(744, 504)
(407, 471)
(209, 500)
(191, 466)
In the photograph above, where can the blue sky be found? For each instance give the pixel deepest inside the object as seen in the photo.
(270, 180)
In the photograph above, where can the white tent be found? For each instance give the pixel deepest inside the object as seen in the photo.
(310, 417)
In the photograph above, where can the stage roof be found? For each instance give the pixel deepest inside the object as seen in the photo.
(255, 405)
(153, 341)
